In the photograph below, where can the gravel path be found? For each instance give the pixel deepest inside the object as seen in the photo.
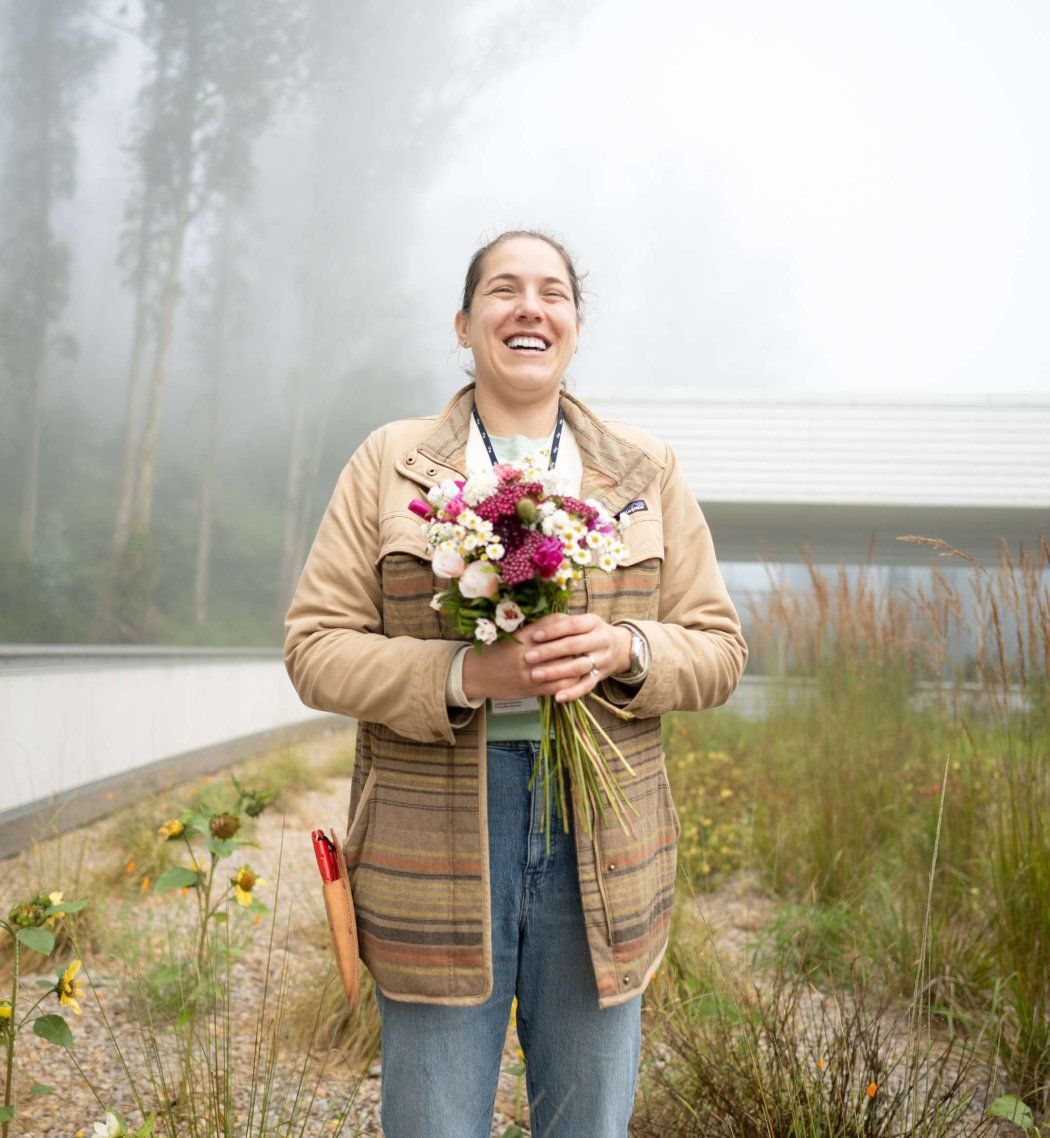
(296, 962)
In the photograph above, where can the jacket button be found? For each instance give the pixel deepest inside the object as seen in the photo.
(627, 978)
(411, 458)
(431, 470)
(611, 865)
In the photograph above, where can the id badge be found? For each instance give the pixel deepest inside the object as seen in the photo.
(515, 706)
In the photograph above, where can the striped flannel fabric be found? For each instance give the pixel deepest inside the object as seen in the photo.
(417, 840)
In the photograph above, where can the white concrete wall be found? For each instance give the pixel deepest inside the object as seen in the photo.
(69, 717)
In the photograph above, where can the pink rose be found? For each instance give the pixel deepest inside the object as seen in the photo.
(479, 579)
(448, 563)
(548, 557)
(454, 507)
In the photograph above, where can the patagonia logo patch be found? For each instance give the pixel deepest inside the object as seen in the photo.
(633, 507)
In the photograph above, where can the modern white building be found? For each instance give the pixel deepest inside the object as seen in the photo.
(839, 474)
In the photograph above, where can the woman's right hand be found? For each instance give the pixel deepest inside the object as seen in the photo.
(500, 670)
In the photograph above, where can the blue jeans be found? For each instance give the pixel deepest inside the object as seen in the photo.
(441, 1063)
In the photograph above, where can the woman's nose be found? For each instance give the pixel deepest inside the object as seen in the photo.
(528, 305)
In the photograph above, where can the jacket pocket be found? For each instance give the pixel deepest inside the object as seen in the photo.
(361, 825)
(407, 580)
(631, 591)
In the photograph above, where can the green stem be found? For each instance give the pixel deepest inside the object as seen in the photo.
(11, 1033)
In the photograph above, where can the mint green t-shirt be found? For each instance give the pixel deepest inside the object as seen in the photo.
(526, 724)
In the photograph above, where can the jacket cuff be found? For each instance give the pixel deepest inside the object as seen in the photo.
(435, 720)
(454, 694)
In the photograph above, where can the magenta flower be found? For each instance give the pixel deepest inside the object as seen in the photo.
(421, 508)
(548, 557)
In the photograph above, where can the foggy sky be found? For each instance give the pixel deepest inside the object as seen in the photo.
(805, 197)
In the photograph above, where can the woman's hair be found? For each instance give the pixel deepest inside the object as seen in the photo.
(477, 263)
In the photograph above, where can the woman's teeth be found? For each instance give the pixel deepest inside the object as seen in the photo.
(526, 343)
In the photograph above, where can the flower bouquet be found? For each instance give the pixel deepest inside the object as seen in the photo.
(512, 547)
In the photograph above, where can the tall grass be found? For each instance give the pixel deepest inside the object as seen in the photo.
(837, 793)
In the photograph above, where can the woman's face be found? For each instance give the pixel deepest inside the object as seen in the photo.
(524, 290)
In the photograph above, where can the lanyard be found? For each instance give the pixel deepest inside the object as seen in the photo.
(492, 454)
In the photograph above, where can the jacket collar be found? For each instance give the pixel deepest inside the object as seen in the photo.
(614, 470)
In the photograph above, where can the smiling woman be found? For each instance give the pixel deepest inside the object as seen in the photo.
(462, 901)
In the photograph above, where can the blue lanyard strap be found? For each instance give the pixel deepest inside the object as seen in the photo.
(492, 454)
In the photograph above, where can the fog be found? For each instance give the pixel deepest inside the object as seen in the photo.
(765, 197)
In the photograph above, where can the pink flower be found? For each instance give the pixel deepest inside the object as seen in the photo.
(484, 629)
(421, 508)
(504, 470)
(479, 579)
(448, 563)
(508, 615)
(548, 557)
(454, 506)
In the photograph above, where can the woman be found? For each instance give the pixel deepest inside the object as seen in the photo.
(459, 908)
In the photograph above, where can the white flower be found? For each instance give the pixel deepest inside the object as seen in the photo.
(547, 508)
(435, 601)
(494, 551)
(607, 562)
(485, 630)
(470, 543)
(480, 579)
(480, 486)
(508, 615)
(580, 556)
(552, 482)
(111, 1128)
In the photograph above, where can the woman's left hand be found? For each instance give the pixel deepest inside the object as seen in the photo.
(561, 643)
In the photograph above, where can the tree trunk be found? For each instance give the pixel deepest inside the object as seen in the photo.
(224, 255)
(27, 526)
(136, 560)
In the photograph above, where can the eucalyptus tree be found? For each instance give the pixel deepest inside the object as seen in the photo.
(216, 69)
(390, 85)
(52, 52)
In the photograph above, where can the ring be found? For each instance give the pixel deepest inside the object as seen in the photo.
(594, 667)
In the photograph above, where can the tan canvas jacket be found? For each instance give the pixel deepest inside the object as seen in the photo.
(363, 641)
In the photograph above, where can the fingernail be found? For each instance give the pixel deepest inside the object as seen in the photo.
(538, 674)
(531, 656)
(537, 636)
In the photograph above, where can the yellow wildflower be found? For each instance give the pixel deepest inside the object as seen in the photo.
(821, 1063)
(172, 828)
(69, 990)
(5, 1009)
(872, 1088)
(243, 884)
(130, 867)
(144, 883)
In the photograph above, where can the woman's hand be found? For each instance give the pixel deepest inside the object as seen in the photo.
(548, 657)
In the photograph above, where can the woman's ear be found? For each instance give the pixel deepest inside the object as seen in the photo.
(460, 325)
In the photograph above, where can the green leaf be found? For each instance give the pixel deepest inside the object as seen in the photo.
(39, 940)
(176, 878)
(66, 907)
(195, 820)
(41, 1089)
(513, 1131)
(1013, 1110)
(257, 907)
(146, 1129)
(6, 1113)
(220, 916)
(55, 1030)
(222, 847)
